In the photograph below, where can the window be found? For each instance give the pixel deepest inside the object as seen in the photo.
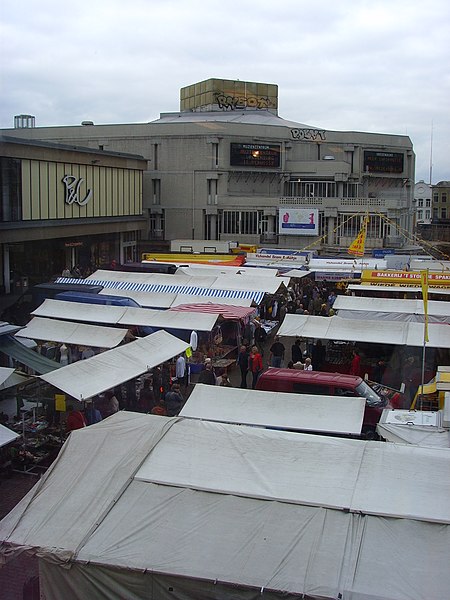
(435, 198)
(428, 202)
(245, 222)
(419, 218)
(156, 191)
(428, 214)
(443, 213)
(315, 189)
(10, 190)
(212, 191)
(444, 197)
(155, 157)
(215, 153)
(420, 205)
(311, 388)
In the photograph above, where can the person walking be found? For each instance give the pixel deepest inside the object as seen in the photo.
(255, 365)
(242, 362)
(277, 351)
(181, 370)
(260, 337)
(173, 401)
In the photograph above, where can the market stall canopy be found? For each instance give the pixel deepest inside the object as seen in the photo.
(419, 428)
(86, 378)
(103, 516)
(297, 273)
(15, 379)
(162, 300)
(67, 332)
(123, 315)
(194, 271)
(7, 436)
(5, 373)
(375, 332)
(226, 311)
(390, 309)
(207, 292)
(26, 356)
(302, 412)
(394, 289)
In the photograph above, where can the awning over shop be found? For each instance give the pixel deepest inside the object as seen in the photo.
(226, 311)
(126, 316)
(352, 330)
(326, 414)
(72, 333)
(86, 378)
(30, 358)
(7, 436)
(207, 292)
(389, 309)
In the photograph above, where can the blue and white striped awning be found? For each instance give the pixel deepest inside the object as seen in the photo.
(256, 296)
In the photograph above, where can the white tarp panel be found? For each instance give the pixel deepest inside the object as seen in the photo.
(92, 376)
(14, 379)
(72, 333)
(420, 428)
(195, 299)
(195, 271)
(5, 373)
(144, 299)
(355, 307)
(330, 414)
(123, 315)
(124, 537)
(382, 332)
(268, 285)
(329, 472)
(296, 273)
(7, 435)
(393, 289)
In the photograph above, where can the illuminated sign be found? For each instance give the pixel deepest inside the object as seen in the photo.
(255, 155)
(383, 162)
(298, 221)
(73, 185)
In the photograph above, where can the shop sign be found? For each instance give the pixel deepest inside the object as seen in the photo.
(404, 278)
(73, 195)
(72, 244)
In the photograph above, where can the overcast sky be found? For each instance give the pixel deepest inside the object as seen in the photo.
(351, 65)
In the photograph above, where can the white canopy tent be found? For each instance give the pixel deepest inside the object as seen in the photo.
(395, 289)
(5, 373)
(213, 510)
(72, 333)
(199, 270)
(127, 316)
(166, 300)
(390, 309)
(381, 332)
(419, 428)
(7, 436)
(86, 378)
(302, 412)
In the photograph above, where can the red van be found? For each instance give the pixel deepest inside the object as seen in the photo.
(326, 384)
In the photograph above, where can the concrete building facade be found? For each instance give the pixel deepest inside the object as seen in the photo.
(228, 167)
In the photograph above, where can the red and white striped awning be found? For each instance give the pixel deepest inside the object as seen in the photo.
(227, 311)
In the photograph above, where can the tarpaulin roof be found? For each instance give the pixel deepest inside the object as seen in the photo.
(5, 373)
(207, 292)
(124, 315)
(391, 289)
(86, 378)
(391, 309)
(235, 508)
(302, 412)
(407, 427)
(225, 310)
(162, 300)
(7, 435)
(382, 332)
(199, 270)
(32, 359)
(72, 333)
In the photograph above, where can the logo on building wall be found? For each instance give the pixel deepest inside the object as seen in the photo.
(226, 102)
(308, 134)
(73, 185)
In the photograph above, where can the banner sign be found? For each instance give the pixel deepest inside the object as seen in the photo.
(404, 278)
(298, 221)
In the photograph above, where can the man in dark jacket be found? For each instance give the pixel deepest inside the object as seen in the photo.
(173, 401)
(207, 375)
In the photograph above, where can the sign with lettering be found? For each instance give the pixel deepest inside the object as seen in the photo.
(404, 278)
(383, 162)
(255, 155)
(310, 135)
(73, 192)
(298, 221)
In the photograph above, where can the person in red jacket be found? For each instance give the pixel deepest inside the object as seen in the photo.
(255, 365)
(355, 367)
(75, 419)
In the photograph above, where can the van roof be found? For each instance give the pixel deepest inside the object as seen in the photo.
(317, 376)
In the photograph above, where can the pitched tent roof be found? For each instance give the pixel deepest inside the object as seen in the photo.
(72, 333)
(32, 359)
(214, 510)
(383, 332)
(225, 310)
(7, 435)
(391, 309)
(86, 378)
(126, 316)
(303, 412)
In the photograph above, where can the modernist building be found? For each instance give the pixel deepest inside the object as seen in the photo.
(228, 167)
(62, 205)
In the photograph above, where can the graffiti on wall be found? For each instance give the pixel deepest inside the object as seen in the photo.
(308, 134)
(227, 102)
(73, 185)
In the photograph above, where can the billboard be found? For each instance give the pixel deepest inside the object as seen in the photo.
(383, 162)
(255, 155)
(298, 221)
